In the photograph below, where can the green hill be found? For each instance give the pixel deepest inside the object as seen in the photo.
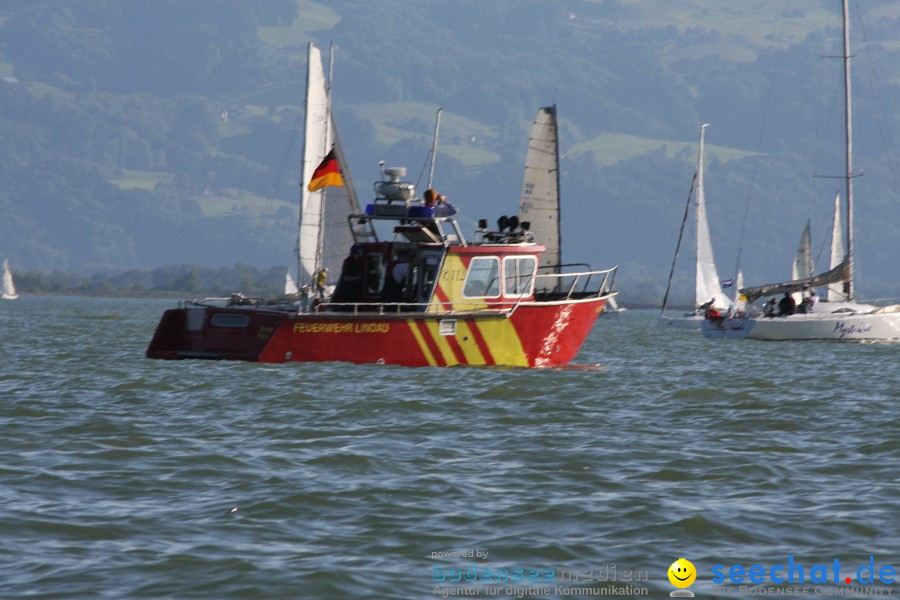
(136, 135)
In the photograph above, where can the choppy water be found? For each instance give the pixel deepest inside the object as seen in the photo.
(122, 477)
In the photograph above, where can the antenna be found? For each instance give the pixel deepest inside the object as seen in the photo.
(437, 128)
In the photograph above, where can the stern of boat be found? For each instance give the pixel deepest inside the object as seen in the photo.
(212, 333)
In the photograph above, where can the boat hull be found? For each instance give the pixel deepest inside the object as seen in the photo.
(537, 334)
(736, 328)
(841, 327)
(686, 322)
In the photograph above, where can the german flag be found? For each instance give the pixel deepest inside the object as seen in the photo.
(326, 174)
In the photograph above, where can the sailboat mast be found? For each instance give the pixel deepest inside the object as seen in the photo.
(684, 219)
(559, 260)
(306, 170)
(848, 133)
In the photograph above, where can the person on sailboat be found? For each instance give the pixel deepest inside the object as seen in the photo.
(786, 306)
(706, 306)
(321, 277)
(808, 300)
(439, 203)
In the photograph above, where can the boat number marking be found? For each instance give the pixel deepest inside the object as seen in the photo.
(453, 275)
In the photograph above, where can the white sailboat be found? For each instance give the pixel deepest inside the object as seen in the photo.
(803, 266)
(838, 318)
(324, 235)
(612, 307)
(9, 288)
(835, 292)
(539, 202)
(290, 286)
(707, 285)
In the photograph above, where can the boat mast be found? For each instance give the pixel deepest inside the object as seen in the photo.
(700, 213)
(848, 133)
(678, 245)
(305, 168)
(559, 260)
(434, 143)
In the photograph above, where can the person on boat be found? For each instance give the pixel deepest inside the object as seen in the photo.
(715, 315)
(706, 306)
(439, 203)
(786, 306)
(395, 282)
(321, 276)
(813, 298)
(808, 299)
(771, 307)
(347, 289)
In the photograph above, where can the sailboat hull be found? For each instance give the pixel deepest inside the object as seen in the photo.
(832, 326)
(691, 322)
(536, 334)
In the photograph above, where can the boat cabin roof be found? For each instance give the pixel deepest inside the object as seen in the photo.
(419, 224)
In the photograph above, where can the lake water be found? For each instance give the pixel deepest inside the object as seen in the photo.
(122, 477)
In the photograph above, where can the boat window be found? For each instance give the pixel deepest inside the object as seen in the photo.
(425, 273)
(233, 320)
(483, 278)
(518, 275)
(429, 272)
(374, 273)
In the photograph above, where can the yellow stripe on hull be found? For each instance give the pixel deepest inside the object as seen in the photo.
(503, 342)
(423, 345)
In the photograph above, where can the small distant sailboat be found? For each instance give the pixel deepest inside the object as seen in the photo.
(707, 285)
(802, 269)
(290, 286)
(9, 288)
(803, 265)
(836, 292)
(612, 307)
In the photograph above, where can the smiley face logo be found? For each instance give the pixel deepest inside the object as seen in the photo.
(682, 573)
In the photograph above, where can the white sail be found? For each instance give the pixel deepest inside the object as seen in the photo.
(803, 267)
(708, 286)
(739, 300)
(9, 288)
(317, 143)
(325, 233)
(835, 291)
(539, 201)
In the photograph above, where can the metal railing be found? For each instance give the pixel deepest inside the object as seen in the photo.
(562, 286)
(586, 283)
